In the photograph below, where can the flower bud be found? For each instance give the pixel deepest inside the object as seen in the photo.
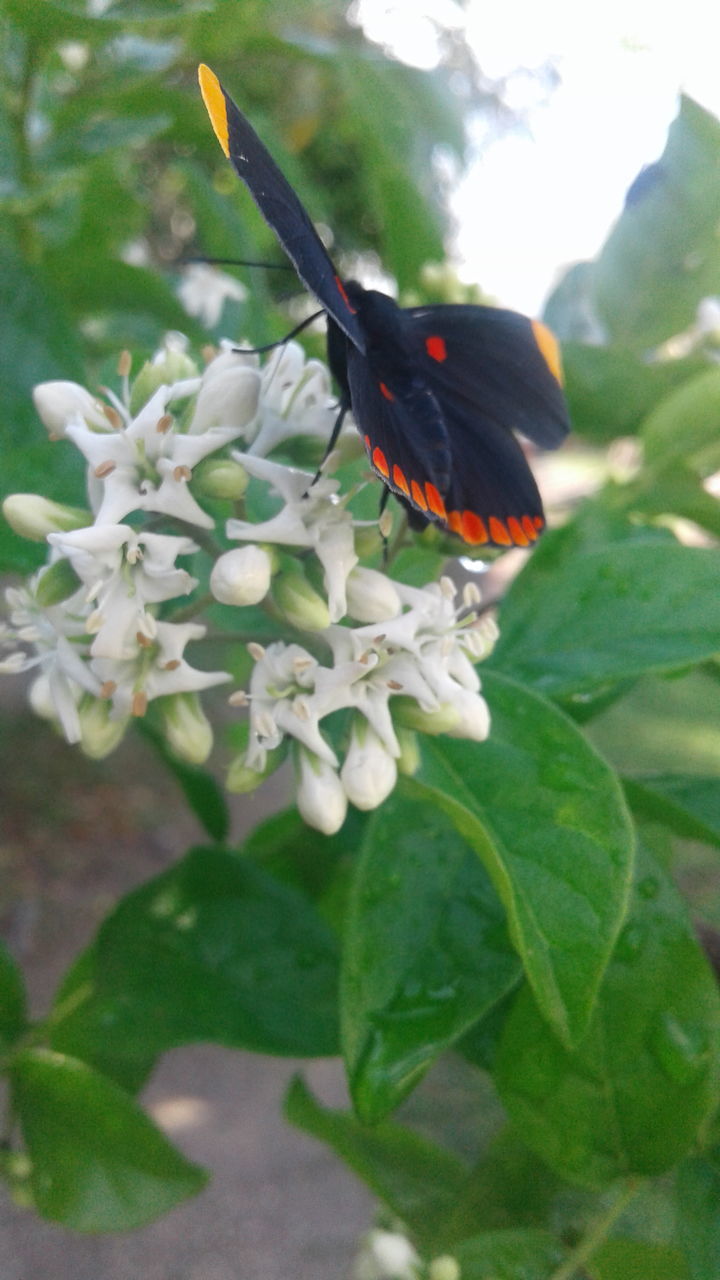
(34, 517)
(472, 716)
(371, 596)
(228, 395)
(301, 604)
(220, 478)
(409, 760)
(369, 772)
(368, 541)
(57, 583)
(444, 1267)
(321, 797)
(386, 1254)
(187, 728)
(59, 403)
(411, 715)
(170, 364)
(242, 576)
(99, 733)
(242, 779)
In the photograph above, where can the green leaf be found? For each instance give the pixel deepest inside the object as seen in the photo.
(631, 1097)
(683, 426)
(620, 1259)
(425, 951)
(508, 1255)
(98, 1162)
(214, 949)
(610, 391)
(578, 619)
(203, 793)
(12, 1000)
(663, 254)
(698, 1214)
(546, 815)
(689, 805)
(417, 1180)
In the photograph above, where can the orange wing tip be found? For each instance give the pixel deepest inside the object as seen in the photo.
(215, 105)
(549, 349)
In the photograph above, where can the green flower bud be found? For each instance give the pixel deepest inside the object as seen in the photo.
(301, 604)
(444, 1267)
(407, 713)
(99, 734)
(170, 364)
(187, 728)
(409, 760)
(58, 582)
(220, 478)
(34, 517)
(242, 780)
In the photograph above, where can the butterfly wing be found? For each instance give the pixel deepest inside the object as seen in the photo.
(278, 204)
(446, 445)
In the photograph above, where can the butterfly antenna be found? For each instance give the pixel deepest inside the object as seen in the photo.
(236, 262)
(270, 346)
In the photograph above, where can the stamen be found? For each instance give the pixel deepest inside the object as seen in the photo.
(107, 688)
(104, 469)
(124, 364)
(172, 665)
(164, 424)
(182, 473)
(239, 698)
(139, 703)
(256, 650)
(113, 417)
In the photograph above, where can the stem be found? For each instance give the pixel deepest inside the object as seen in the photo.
(597, 1233)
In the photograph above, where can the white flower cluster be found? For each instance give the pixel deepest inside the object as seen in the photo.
(102, 623)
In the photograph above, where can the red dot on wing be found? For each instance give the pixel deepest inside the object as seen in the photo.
(498, 532)
(472, 528)
(435, 347)
(418, 496)
(517, 533)
(400, 481)
(379, 461)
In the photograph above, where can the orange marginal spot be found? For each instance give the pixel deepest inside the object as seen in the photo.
(417, 495)
(435, 347)
(399, 480)
(379, 462)
(343, 295)
(454, 521)
(549, 349)
(386, 391)
(539, 523)
(498, 532)
(434, 501)
(368, 445)
(473, 528)
(529, 528)
(517, 533)
(215, 105)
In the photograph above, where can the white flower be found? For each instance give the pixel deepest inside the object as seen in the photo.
(295, 399)
(203, 291)
(281, 680)
(313, 516)
(60, 403)
(241, 576)
(125, 572)
(369, 771)
(157, 671)
(228, 395)
(386, 1255)
(146, 464)
(371, 596)
(321, 797)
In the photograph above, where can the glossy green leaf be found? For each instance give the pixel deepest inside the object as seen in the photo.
(698, 1214)
(12, 1000)
(213, 949)
(546, 815)
(663, 254)
(425, 950)
(683, 426)
(202, 791)
(631, 1098)
(689, 805)
(417, 1180)
(508, 1255)
(611, 392)
(625, 1259)
(576, 620)
(98, 1162)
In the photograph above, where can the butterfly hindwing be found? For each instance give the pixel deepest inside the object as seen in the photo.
(278, 204)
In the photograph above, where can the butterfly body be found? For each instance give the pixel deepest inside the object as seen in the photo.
(436, 392)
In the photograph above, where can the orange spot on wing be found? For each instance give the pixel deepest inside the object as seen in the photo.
(343, 295)
(498, 532)
(472, 528)
(379, 462)
(435, 347)
(539, 523)
(368, 445)
(417, 495)
(215, 105)
(454, 521)
(434, 501)
(386, 391)
(529, 528)
(400, 481)
(549, 349)
(517, 533)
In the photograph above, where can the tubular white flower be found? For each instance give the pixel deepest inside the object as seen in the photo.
(124, 572)
(282, 678)
(369, 771)
(371, 596)
(228, 396)
(313, 516)
(241, 576)
(61, 403)
(34, 517)
(321, 797)
(157, 671)
(295, 399)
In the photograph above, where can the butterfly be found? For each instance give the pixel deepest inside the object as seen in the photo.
(436, 392)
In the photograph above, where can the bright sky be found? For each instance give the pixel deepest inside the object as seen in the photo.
(535, 201)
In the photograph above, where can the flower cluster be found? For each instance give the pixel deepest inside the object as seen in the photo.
(106, 622)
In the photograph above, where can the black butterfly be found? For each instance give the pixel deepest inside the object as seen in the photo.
(436, 392)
